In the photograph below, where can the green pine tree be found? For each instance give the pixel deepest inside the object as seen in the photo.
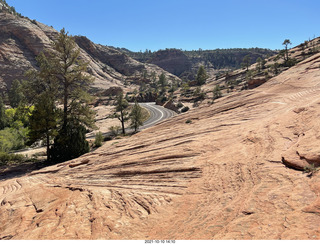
(68, 69)
(201, 76)
(44, 121)
(286, 42)
(259, 62)
(62, 75)
(136, 117)
(70, 142)
(121, 113)
(162, 80)
(15, 94)
(3, 118)
(246, 62)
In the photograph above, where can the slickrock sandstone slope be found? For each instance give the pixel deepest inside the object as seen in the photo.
(21, 40)
(220, 177)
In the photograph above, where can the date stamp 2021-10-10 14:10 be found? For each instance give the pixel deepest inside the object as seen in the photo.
(160, 242)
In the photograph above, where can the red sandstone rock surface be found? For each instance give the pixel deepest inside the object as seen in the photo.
(220, 177)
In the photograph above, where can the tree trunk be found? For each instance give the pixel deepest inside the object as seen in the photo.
(48, 148)
(122, 123)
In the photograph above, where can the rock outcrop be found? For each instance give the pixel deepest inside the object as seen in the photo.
(222, 175)
(171, 60)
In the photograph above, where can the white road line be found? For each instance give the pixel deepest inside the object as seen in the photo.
(161, 115)
(157, 114)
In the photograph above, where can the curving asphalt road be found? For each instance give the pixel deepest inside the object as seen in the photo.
(157, 114)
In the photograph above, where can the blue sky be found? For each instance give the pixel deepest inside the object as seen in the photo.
(183, 24)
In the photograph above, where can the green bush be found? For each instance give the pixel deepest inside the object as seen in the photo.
(70, 143)
(185, 109)
(98, 139)
(114, 130)
(107, 138)
(6, 158)
(179, 105)
(291, 62)
(13, 138)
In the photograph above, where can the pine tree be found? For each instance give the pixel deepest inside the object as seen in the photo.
(61, 74)
(286, 42)
(43, 121)
(3, 119)
(121, 105)
(259, 62)
(246, 62)
(201, 76)
(15, 94)
(162, 80)
(70, 142)
(136, 117)
(69, 70)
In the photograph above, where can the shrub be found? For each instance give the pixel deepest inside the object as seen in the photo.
(114, 130)
(311, 169)
(107, 138)
(70, 143)
(179, 105)
(291, 62)
(98, 139)
(6, 158)
(13, 138)
(216, 92)
(185, 109)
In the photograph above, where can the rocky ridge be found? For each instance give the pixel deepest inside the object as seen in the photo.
(221, 171)
(185, 64)
(22, 39)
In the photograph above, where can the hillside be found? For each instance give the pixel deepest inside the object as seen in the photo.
(185, 64)
(216, 172)
(232, 81)
(22, 39)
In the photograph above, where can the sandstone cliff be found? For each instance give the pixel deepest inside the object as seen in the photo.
(171, 60)
(21, 40)
(222, 175)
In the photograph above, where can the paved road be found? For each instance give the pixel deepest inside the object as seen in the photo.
(157, 114)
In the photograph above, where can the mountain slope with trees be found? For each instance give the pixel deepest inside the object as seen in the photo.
(185, 63)
(22, 39)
